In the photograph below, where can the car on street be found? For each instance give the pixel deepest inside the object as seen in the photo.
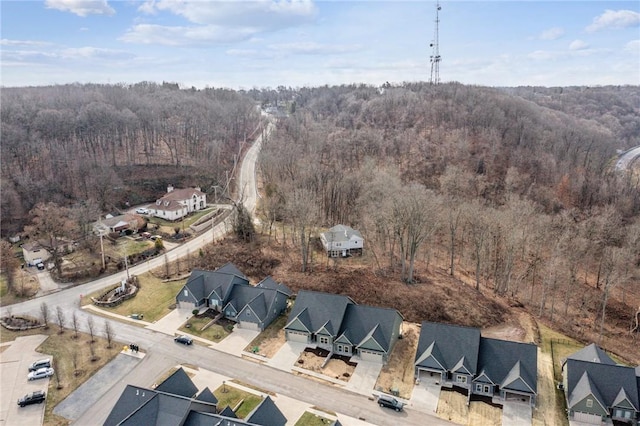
(142, 210)
(185, 340)
(41, 363)
(40, 373)
(390, 402)
(36, 397)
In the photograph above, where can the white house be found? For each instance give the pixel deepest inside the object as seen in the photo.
(342, 241)
(178, 203)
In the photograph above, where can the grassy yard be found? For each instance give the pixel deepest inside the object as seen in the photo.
(62, 348)
(310, 419)
(215, 332)
(153, 298)
(231, 396)
(190, 220)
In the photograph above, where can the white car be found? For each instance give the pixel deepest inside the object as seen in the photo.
(40, 373)
(142, 210)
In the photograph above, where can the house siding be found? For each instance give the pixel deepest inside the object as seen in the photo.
(597, 409)
(247, 315)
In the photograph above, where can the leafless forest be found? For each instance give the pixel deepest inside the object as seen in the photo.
(514, 187)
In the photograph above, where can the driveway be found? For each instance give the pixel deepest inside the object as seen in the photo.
(425, 397)
(364, 377)
(14, 367)
(90, 392)
(516, 414)
(286, 357)
(235, 342)
(170, 323)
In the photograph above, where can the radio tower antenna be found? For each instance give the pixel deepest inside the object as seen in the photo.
(435, 55)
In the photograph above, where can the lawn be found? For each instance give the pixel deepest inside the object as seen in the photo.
(231, 396)
(190, 220)
(310, 419)
(270, 340)
(153, 298)
(215, 332)
(62, 348)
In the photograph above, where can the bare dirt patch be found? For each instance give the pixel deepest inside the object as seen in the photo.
(398, 373)
(269, 342)
(453, 406)
(336, 368)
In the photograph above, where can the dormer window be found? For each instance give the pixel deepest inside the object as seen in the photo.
(589, 403)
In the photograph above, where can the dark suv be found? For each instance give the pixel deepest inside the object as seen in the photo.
(185, 340)
(390, 402)
(36, 397)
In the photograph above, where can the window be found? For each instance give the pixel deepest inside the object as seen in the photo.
(186, 292)
(461, 379)
(589, 403)
(324, 340)
(487, 388)
(478, 388)
(340, 348)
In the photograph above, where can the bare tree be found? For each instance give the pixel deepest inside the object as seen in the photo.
(74, 361)
(108, 332)
(44, 314)
(303, 212)
(91, 328)
(74, 323)
(60, 318)
(477, 224)
(8, 264)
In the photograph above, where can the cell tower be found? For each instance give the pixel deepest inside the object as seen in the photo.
(435, 45)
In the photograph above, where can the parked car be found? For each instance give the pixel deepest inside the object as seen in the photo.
(390, 402)
(41, 363)
(36, 397)
(142, 210)
(185, 340)
(40, 373)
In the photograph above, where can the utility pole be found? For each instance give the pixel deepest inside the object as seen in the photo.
(435, 55)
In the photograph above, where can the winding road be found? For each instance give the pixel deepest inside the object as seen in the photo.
(627, 158)
(162, 352)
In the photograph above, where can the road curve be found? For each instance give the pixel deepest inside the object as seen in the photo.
(627, 158)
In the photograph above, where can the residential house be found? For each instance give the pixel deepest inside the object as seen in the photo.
(599, 391)
(459, 356)
(336, 323)
(176, 402)
(118, 223)
(227, 290)
(178, 203)
(342, 241)
(38, 251)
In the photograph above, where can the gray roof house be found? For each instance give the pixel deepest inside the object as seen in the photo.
(342, 241)
(459, 356)
(598, 390)
(140, 406)
(227, 290)
(336, 323)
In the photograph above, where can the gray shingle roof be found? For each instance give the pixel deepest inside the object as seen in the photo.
(361, 322)
(179, 383)
(512, 365)
(451, 345)
(606, 378)
(273, 284)
(322, 310)
(266, 413)
(131, 399)
(207, 396)
(340, 233)
(592, 353)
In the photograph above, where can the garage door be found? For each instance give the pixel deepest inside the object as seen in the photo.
(249, 325)
(297, 336)
(587, 418)
(370, 356)
(187, 305)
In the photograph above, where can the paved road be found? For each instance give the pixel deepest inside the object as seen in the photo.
(627, 158)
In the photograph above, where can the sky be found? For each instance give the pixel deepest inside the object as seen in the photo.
(245, 44)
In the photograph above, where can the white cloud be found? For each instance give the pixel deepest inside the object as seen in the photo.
(81, 7)
(551, 33)
(633, 46)
(578, 45)
(7, 42)
(614, 19)
(259, 14)
(177, 36)
(94, 53)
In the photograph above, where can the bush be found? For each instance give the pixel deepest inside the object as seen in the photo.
(195, 311)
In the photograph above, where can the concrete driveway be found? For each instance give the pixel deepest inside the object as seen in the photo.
(516, 414)
(364, 377)
(235, 342)
(14, 367)
(425, 397)
(286, 357)
(170, 323)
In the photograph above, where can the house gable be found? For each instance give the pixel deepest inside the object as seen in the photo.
(449, 344)
(431, 358)
(483, 378)
(622, 401)
(589, 404)
(297, 325)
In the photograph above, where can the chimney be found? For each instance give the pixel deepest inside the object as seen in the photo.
(169, 188)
